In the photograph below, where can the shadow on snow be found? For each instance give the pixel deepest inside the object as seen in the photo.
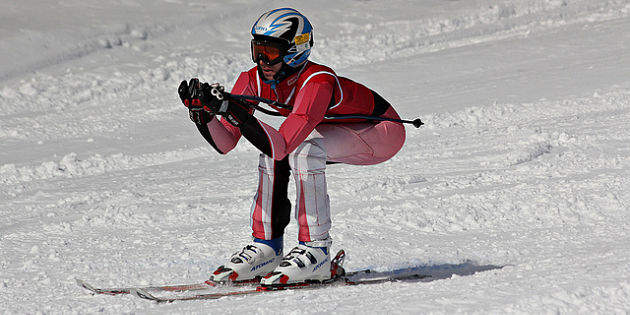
(424, 273)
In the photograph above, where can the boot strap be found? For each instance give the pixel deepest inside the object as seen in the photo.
(320, 243)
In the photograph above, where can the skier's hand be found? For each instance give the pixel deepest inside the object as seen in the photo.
(213, 98)
(190, 94)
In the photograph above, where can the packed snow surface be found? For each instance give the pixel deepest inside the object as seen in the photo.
(523, 164)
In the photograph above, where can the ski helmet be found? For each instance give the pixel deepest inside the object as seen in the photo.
(282, 35)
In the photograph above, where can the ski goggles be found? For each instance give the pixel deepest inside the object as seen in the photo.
(269, 52)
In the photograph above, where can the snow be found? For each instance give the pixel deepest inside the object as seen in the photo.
(523, 164)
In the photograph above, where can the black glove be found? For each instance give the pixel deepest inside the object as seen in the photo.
(216, 100)
(213, 98)
(190, 94)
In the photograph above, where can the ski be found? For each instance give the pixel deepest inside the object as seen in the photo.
(164, 288)
(339, 278)
(184, 292)
(362, 277)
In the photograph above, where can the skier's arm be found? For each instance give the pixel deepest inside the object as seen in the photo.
(220, 134)
(311, 105)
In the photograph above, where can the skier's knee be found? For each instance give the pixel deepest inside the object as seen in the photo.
(310, 155)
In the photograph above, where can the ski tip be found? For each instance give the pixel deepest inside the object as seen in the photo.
(85, 285)
(144, 294)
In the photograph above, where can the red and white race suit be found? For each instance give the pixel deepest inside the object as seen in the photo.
(306, 141)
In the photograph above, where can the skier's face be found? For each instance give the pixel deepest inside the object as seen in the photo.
(269, 71)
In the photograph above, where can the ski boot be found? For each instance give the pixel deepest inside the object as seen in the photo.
(250, 264)
(309, 262)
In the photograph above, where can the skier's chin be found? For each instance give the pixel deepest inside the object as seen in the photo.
(269, 71)
(269, 74)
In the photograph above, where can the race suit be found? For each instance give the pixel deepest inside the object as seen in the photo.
(306, 142)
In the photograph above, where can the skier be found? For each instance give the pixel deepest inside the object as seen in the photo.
(303, 145)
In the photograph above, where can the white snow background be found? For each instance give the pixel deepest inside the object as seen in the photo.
(524, 162)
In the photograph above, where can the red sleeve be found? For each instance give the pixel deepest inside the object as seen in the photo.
(224, 135)
(311, 104)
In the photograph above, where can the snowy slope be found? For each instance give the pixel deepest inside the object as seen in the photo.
(524, 162)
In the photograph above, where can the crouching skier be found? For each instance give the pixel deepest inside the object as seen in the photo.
(304, 143)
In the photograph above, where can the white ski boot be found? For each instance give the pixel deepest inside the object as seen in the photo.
(248, 265)
(303, 264)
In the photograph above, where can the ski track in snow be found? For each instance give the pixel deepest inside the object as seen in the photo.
(103, 178)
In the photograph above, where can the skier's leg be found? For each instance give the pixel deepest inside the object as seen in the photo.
(358, 143)
(270, 213)
(363, 143)
(271, 209)
(310, 260)
(312, 205)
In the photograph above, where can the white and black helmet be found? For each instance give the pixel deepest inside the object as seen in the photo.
(289, 31)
